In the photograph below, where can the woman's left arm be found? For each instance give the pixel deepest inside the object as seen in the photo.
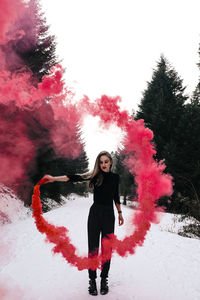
(121, 219)
(117, 202)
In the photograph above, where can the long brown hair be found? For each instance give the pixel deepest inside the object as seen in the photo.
(97, 170)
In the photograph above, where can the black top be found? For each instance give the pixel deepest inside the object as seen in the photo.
(107, 191)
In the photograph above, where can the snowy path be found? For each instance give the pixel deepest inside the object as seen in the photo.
(166, 267)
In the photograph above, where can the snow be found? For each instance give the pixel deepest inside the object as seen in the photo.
(166, 267)
(11, 207)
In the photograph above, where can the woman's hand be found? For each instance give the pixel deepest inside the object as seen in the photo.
(121, 219)
(49, 178)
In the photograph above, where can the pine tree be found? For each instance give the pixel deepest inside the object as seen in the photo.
(186, 160)
(188, 144)
(195, 100)
(162, 107)
(36, 49)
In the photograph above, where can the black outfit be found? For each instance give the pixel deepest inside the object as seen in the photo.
(101, 217)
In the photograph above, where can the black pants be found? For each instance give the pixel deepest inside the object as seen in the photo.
(101, 220)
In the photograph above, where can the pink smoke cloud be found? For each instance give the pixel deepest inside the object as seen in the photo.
(10, 11)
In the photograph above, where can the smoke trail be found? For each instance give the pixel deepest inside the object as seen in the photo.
(152, 184)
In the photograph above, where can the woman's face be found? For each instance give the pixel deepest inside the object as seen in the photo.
(105, 163)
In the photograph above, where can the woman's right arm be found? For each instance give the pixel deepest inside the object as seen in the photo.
(50, 178)
(72, 178)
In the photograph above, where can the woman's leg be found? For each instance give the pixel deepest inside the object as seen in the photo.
(93, 236)
(107, 228)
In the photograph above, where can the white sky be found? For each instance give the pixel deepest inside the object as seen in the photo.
(111, 47)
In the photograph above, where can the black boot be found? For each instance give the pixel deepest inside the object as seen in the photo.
(92, 287)
(104, 286)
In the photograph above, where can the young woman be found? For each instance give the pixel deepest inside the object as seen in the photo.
(101, 218)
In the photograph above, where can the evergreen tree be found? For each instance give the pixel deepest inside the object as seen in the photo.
(36, 49)
(162, 105)
(188, 174)
(162, 108)
(186, 160)
(195, 100)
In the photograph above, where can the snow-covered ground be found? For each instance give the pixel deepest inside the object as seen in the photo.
(166, 267)
(11, 207)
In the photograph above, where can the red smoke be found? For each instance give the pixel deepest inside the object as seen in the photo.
(9, 10)
(17, 149)
(23, 150)
(19, 86)
(19, 92)
(152, 184)
(21, 96)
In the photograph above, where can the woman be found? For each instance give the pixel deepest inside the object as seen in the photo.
(101, 218)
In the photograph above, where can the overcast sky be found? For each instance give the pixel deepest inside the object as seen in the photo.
(112, 46)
